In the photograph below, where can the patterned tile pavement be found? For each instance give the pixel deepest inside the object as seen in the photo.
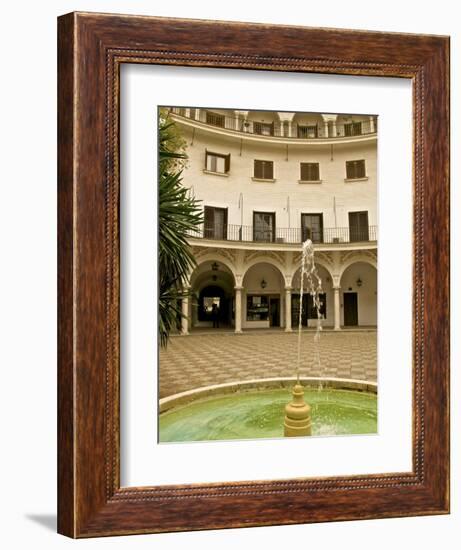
(202, 359)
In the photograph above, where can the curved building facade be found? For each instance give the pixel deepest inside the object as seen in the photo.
(267, 182)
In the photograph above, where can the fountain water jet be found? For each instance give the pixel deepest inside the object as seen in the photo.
(298, 412)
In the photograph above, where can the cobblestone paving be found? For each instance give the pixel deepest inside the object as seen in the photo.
(202, 359)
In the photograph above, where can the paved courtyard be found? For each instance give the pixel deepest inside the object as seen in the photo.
(202, 359)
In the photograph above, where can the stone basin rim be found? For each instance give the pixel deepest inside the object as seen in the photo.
(189, 396)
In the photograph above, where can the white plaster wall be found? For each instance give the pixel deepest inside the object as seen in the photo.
(366, 294)
(224, 191)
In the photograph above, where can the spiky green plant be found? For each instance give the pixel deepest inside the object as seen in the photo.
(178, 215)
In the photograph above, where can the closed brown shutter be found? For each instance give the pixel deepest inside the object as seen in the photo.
(310, 171)
(264, 169)
(355, 169)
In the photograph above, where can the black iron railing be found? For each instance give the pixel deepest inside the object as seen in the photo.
(284, 235)
(278, 128)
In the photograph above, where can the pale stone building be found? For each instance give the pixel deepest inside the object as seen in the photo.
(267, 182)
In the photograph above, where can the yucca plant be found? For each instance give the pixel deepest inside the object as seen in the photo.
(178, 214)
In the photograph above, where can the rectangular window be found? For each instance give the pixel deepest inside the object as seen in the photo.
(257, 308)
(358, 226)
(264, 169)
(312, 227)
(353, 129)
(215, 223)
(264, 227)
(215, 119)
(308, 132)
(217, 162)
(355, 169)
(310, 171)
(263, 128)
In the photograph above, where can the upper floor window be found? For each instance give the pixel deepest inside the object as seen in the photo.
(263, 128)
(215, 119)
(264, 169)
(264, 226)
(307, 132)
(217, 162)
(310, 171)
(312, 227)
(353, 129)
(215, 226)
(358, 226)
(355, 169)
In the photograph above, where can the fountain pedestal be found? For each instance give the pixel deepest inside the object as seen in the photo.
(297, 415)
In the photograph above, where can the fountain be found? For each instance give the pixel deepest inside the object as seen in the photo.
(255, 408)
(298, 412)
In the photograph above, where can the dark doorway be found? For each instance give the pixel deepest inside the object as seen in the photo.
(309, 309)
(213, 303)
(351, 314)
(274, 308)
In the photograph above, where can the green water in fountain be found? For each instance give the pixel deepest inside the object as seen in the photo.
(260, 414)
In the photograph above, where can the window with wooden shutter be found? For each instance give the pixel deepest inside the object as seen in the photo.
(310, 171)
(355, 169)
(215, 223)
(312, 227)
(264, 226)
(358, 226)
(264, 169)
(217, 162)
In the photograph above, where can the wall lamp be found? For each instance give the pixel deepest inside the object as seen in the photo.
(263, 284)
(359, 282)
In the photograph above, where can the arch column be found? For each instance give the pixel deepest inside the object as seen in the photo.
(337, 304)
(372, 125)
(185, 316)
(288, 309)
(238, 309)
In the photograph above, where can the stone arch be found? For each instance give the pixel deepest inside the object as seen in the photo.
(216, 258)
(261, 259)
(357, 259)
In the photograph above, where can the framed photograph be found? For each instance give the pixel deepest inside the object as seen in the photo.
(233, 351)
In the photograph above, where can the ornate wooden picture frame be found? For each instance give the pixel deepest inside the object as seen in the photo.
(92, 48)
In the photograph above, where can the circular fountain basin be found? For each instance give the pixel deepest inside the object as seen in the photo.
(256, 409)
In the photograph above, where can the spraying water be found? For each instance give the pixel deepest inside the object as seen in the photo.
(314, 287)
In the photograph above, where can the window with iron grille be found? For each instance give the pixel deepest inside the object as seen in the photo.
(215, 119)
(263, 128)
(264, 169)
(307, 132)
(217, 162)
(353, 129)
(310, 171)
(355, 169)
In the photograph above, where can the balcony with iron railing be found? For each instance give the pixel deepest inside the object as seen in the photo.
(284, 235)
(278, 128)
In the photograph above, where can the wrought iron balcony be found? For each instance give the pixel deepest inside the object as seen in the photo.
(278, 128)
(284, 235)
